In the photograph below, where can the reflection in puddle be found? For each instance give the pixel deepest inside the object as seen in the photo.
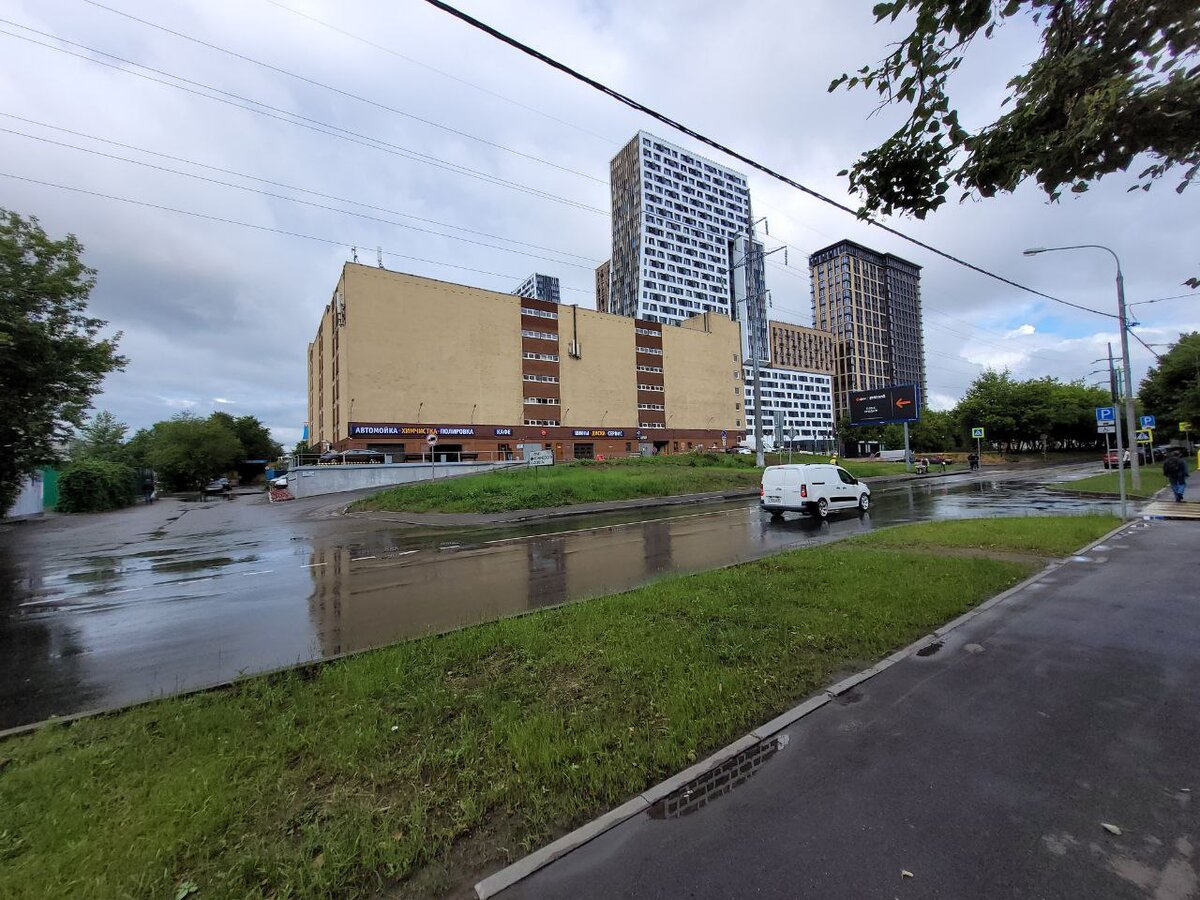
(701, 791)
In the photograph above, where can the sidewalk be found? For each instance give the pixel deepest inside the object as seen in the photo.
(984, 766)
(1164, 506)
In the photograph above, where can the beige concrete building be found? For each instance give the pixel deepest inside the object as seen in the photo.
(398, 357)
(801, 349)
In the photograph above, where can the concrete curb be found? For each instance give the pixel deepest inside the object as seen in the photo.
(526, 866)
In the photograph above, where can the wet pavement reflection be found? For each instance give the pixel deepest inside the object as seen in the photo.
(127, 606)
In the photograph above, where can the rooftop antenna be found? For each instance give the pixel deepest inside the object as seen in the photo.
(379, 257)
(354, 254)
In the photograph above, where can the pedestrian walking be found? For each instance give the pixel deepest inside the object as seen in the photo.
(1175, 468)
(973, 461)
(1125, 460)
(148, 486)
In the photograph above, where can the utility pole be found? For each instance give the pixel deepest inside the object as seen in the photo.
(750, 322)
(1112, 380)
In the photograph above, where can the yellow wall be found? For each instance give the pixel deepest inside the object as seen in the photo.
(410, 341)
(326, 384)
(698, 373)
(600, 388)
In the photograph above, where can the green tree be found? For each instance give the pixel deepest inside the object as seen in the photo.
(52, 360)
(1115, 79)
(256, 439)
(136, 452)
(937, 431)
(187, 452)
(102, 438)
(991, 403)
(1171, 390)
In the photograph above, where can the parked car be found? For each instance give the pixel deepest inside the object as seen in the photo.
(217, 486)
(1110, 460)
(815, 489)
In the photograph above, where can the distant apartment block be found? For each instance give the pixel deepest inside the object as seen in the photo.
(603, 273)
(539, 287)
(802, 349)
(870, 303)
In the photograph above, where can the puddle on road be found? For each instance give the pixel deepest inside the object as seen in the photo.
(734, 772)
(930, 649)
(198, 565)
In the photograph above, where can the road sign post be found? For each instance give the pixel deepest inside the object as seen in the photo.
(908, 465)
(431, 442)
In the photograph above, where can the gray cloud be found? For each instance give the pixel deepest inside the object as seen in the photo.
(216, 312)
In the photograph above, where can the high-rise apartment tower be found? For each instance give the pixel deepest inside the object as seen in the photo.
(539, 287)
(871, 303)
(673, 216)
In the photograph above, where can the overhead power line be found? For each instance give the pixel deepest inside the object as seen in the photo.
(416, 62)
(240, 187)
(339, 91)
(267, 228)
(1161, 299)
(710, 142)
(273, 112)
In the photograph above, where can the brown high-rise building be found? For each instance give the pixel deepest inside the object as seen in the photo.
(871, 303)
(603, 272)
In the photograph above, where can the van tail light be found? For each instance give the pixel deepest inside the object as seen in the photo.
(762, 491)
(804, 490)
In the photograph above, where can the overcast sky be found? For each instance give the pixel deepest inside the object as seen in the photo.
(217, 315)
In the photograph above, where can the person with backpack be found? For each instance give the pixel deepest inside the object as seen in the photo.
(1176, 471)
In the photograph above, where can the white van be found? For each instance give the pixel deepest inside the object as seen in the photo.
(816, 489)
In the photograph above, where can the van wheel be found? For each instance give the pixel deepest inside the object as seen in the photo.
(823, 508)
(864, 502)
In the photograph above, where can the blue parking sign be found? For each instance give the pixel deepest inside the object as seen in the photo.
(1106, 414)
(1146, 422)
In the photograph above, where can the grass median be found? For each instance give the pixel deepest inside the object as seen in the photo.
(1152, 478)
(413, 769)
(588, 481)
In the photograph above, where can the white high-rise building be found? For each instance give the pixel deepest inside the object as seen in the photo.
(673, 216)
(682, 245)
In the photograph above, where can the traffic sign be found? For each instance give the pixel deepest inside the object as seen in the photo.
(1185, 426)
(1145, 437)
(883, 406)
(431, 439)
(1146, 422)
(540, 458)
(724, 434)
(1106, 414)
(977, 434)
(1106, 429)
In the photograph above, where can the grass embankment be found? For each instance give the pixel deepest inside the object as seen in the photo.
(566, 484)
(415, 768)
(1153, 481)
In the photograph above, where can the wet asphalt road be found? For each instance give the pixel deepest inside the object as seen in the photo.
(983, 766)
(121, 607)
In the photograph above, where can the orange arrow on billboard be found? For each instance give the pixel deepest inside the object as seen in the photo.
(902, 403)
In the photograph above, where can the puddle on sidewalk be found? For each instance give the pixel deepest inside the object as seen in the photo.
(732, 773)
(930, 649)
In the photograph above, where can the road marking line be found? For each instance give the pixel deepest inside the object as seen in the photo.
(360, 558)
(259, 572)
(313, 565)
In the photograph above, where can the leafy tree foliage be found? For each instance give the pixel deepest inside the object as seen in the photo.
(1016, 414)
(1171, 390)
(1115, 79)
(103, 438)
(187, 452)
(256, 440)
(94, 485)
(52, 361)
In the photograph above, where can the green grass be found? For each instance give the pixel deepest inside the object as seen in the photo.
(1153, 481)
(1043, 535)
(566, 484)
(348, 778)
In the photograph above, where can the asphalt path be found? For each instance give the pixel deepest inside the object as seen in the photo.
(105, 610)
(1045, 749)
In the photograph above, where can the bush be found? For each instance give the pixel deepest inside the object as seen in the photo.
(92, 485)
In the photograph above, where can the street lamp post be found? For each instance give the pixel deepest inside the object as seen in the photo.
(1130, 422)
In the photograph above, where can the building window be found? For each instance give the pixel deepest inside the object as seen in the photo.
(539, 313)
(543, 401)
(541, 335)
(653, 351)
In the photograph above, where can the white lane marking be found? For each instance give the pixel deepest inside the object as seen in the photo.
(258, 572)
(360, 558)
(313, 565)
